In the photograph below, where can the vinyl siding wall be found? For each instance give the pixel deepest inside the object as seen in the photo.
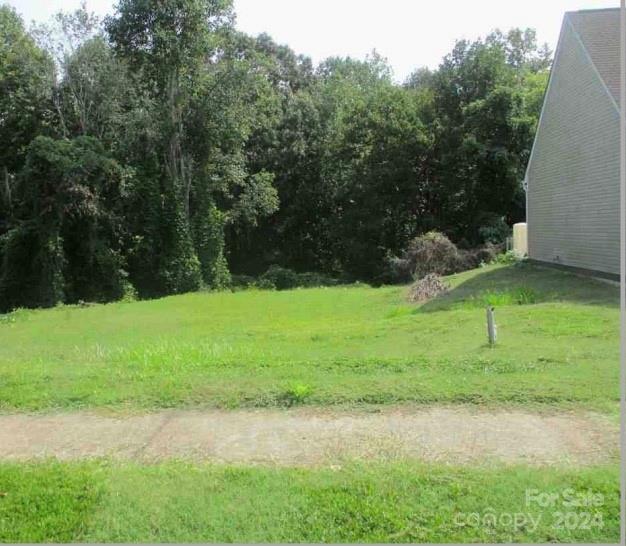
(573, 176)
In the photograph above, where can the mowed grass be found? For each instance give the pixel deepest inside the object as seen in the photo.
(180, 502)
(558, 347)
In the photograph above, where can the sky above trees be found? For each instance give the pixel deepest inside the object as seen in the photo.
(409, 33)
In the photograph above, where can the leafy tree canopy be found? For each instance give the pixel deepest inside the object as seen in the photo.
(158, 150)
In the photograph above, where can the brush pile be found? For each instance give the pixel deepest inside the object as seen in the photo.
(427, 288)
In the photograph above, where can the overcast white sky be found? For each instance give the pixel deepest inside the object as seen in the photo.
(410, 33)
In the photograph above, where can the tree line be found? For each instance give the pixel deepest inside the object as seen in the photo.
(161, 151)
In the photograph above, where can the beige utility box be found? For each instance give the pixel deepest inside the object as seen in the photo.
(520, 239)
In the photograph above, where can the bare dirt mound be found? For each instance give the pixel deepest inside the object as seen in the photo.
(315, 437)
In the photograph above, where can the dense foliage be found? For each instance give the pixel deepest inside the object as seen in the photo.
(160, 150)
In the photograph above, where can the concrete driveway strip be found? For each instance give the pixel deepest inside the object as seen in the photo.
(309, 437)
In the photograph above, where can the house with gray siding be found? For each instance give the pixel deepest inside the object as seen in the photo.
(573, 177)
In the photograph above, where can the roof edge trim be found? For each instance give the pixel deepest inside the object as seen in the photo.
(593, 65)
(591, 10)
(566, 21)
(543, 106)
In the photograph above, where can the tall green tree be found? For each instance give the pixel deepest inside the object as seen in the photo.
(484, 128)
(65, 242)
(170, 42)
(26, 83)
(205, 94)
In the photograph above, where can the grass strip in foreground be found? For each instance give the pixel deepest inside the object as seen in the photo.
(180, 502)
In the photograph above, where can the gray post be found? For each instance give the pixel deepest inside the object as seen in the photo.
(492, 329)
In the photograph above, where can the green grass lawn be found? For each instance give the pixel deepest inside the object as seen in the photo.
(177, 502)
(558, 347)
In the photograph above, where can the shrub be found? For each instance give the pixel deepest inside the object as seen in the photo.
(494, 231)
(429, 253)
(295, 395)
(471, 259)
(398, 270)
(434, 253)
(280, 277)
(506, 258)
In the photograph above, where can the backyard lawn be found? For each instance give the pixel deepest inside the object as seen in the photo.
(352, 347)
(558, 347)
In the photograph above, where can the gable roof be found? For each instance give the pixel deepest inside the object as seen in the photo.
(599, 32)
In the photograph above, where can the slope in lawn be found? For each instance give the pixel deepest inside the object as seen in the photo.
(558, 345)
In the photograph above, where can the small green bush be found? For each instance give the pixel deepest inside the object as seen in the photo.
(282, 278)
(506, 258)
(295, 395)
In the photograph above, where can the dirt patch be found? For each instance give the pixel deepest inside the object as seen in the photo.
(315, 437)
